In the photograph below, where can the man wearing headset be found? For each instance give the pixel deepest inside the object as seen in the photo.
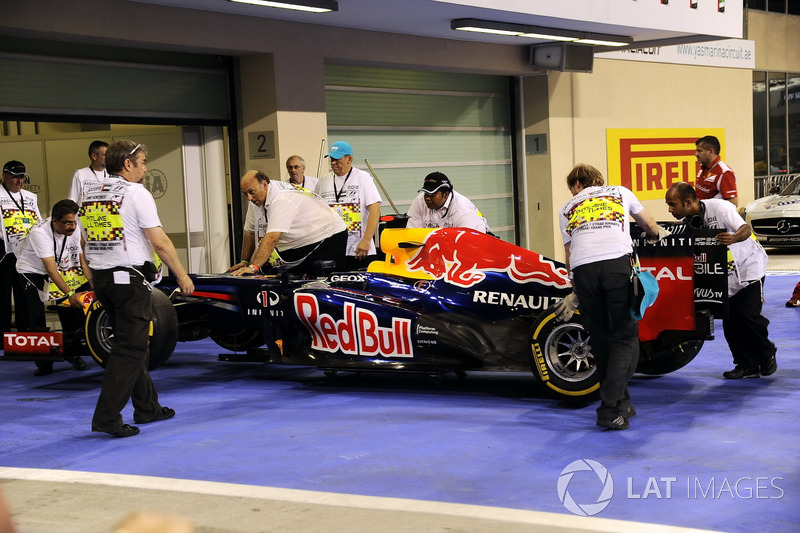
(20, 213)
(439, 206)
(745, 328)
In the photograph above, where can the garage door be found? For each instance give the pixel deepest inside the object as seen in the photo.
(410, 123)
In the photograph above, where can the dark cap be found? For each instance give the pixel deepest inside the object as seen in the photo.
(435, 181)
(15, 168)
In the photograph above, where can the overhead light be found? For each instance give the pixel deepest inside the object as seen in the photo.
(312, 6)
(539, 32)
(601, 42)
(490, 30)
(548, 37)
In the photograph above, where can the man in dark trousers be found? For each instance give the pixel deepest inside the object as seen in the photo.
(598, 246)
(745, 327)
(121, 229)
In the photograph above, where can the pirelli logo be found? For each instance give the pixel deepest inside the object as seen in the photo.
(649, 162)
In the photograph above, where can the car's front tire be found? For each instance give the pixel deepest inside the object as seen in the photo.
(561, 356)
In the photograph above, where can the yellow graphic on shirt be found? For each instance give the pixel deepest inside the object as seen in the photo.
(73, 277)
(102, 221)
(18, 223)
(595, 209)
(351, 214)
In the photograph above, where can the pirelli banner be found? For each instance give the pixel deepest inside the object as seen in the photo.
(649, 161)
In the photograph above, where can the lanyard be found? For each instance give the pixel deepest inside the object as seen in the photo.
(55, 247)
(339, 193)
(21, 199)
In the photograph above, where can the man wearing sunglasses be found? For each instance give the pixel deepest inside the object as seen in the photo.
(51, 263)
(121, 228)
(20, 212)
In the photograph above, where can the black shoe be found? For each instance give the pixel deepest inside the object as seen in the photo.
(793, 303)
(163, 414)
(43, 369)
(78, 363)
(124, 431)
(741, 372)
(617, 423)
(769, 368)
(630, 412)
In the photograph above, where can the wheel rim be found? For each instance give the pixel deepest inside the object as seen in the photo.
(569, 353)
(103, 332)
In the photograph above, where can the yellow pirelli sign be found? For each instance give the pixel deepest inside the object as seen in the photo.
(649, 161)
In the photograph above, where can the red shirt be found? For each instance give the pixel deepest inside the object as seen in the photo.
(716, 181)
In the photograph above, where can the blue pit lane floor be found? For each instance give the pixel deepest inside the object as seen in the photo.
(703, 452)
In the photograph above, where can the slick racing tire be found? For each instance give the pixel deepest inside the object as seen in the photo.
(238, 339)
(670, 359)
(561, 357)
(162, 342)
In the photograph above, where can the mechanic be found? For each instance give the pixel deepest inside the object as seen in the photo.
(352, 193)
(794, 301)
(120, 224)
(598, 247)
(439, 206)
(296, 167)
(95, 172)
(715, 179)
(298, 226)
(53, 248)
(20, 212)
(745, 328)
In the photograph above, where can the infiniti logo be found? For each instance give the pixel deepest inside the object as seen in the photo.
(784, 226)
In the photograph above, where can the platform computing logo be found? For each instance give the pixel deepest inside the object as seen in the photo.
(586, 486)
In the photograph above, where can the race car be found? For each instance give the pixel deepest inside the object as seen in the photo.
(444, 300)
(775, 219)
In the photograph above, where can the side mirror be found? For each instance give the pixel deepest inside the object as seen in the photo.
(774, 189)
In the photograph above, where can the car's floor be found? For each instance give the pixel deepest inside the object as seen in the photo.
(703, 452)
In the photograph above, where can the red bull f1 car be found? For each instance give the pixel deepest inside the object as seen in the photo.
(444, 300)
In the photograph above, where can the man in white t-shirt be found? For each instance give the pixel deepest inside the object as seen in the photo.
(439, 206)
(352, 193)
(296, 167)
(121, 229)
(745, 327)
(20, 212)
(52, 266)
(598, 246)
(95, 172)
(294, 224)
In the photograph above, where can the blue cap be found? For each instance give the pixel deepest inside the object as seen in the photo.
(339, 149)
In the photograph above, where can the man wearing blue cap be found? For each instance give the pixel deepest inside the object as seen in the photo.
(598, 246)
(351, 192)
(439, 206)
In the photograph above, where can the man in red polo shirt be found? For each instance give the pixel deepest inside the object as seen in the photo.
(715, 178)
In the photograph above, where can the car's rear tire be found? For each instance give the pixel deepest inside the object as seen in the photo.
(162, 342)
(561, 357)
(239, 340)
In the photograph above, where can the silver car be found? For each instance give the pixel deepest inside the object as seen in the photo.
(775, 219)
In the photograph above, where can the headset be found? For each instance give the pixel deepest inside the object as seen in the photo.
(696, 221)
